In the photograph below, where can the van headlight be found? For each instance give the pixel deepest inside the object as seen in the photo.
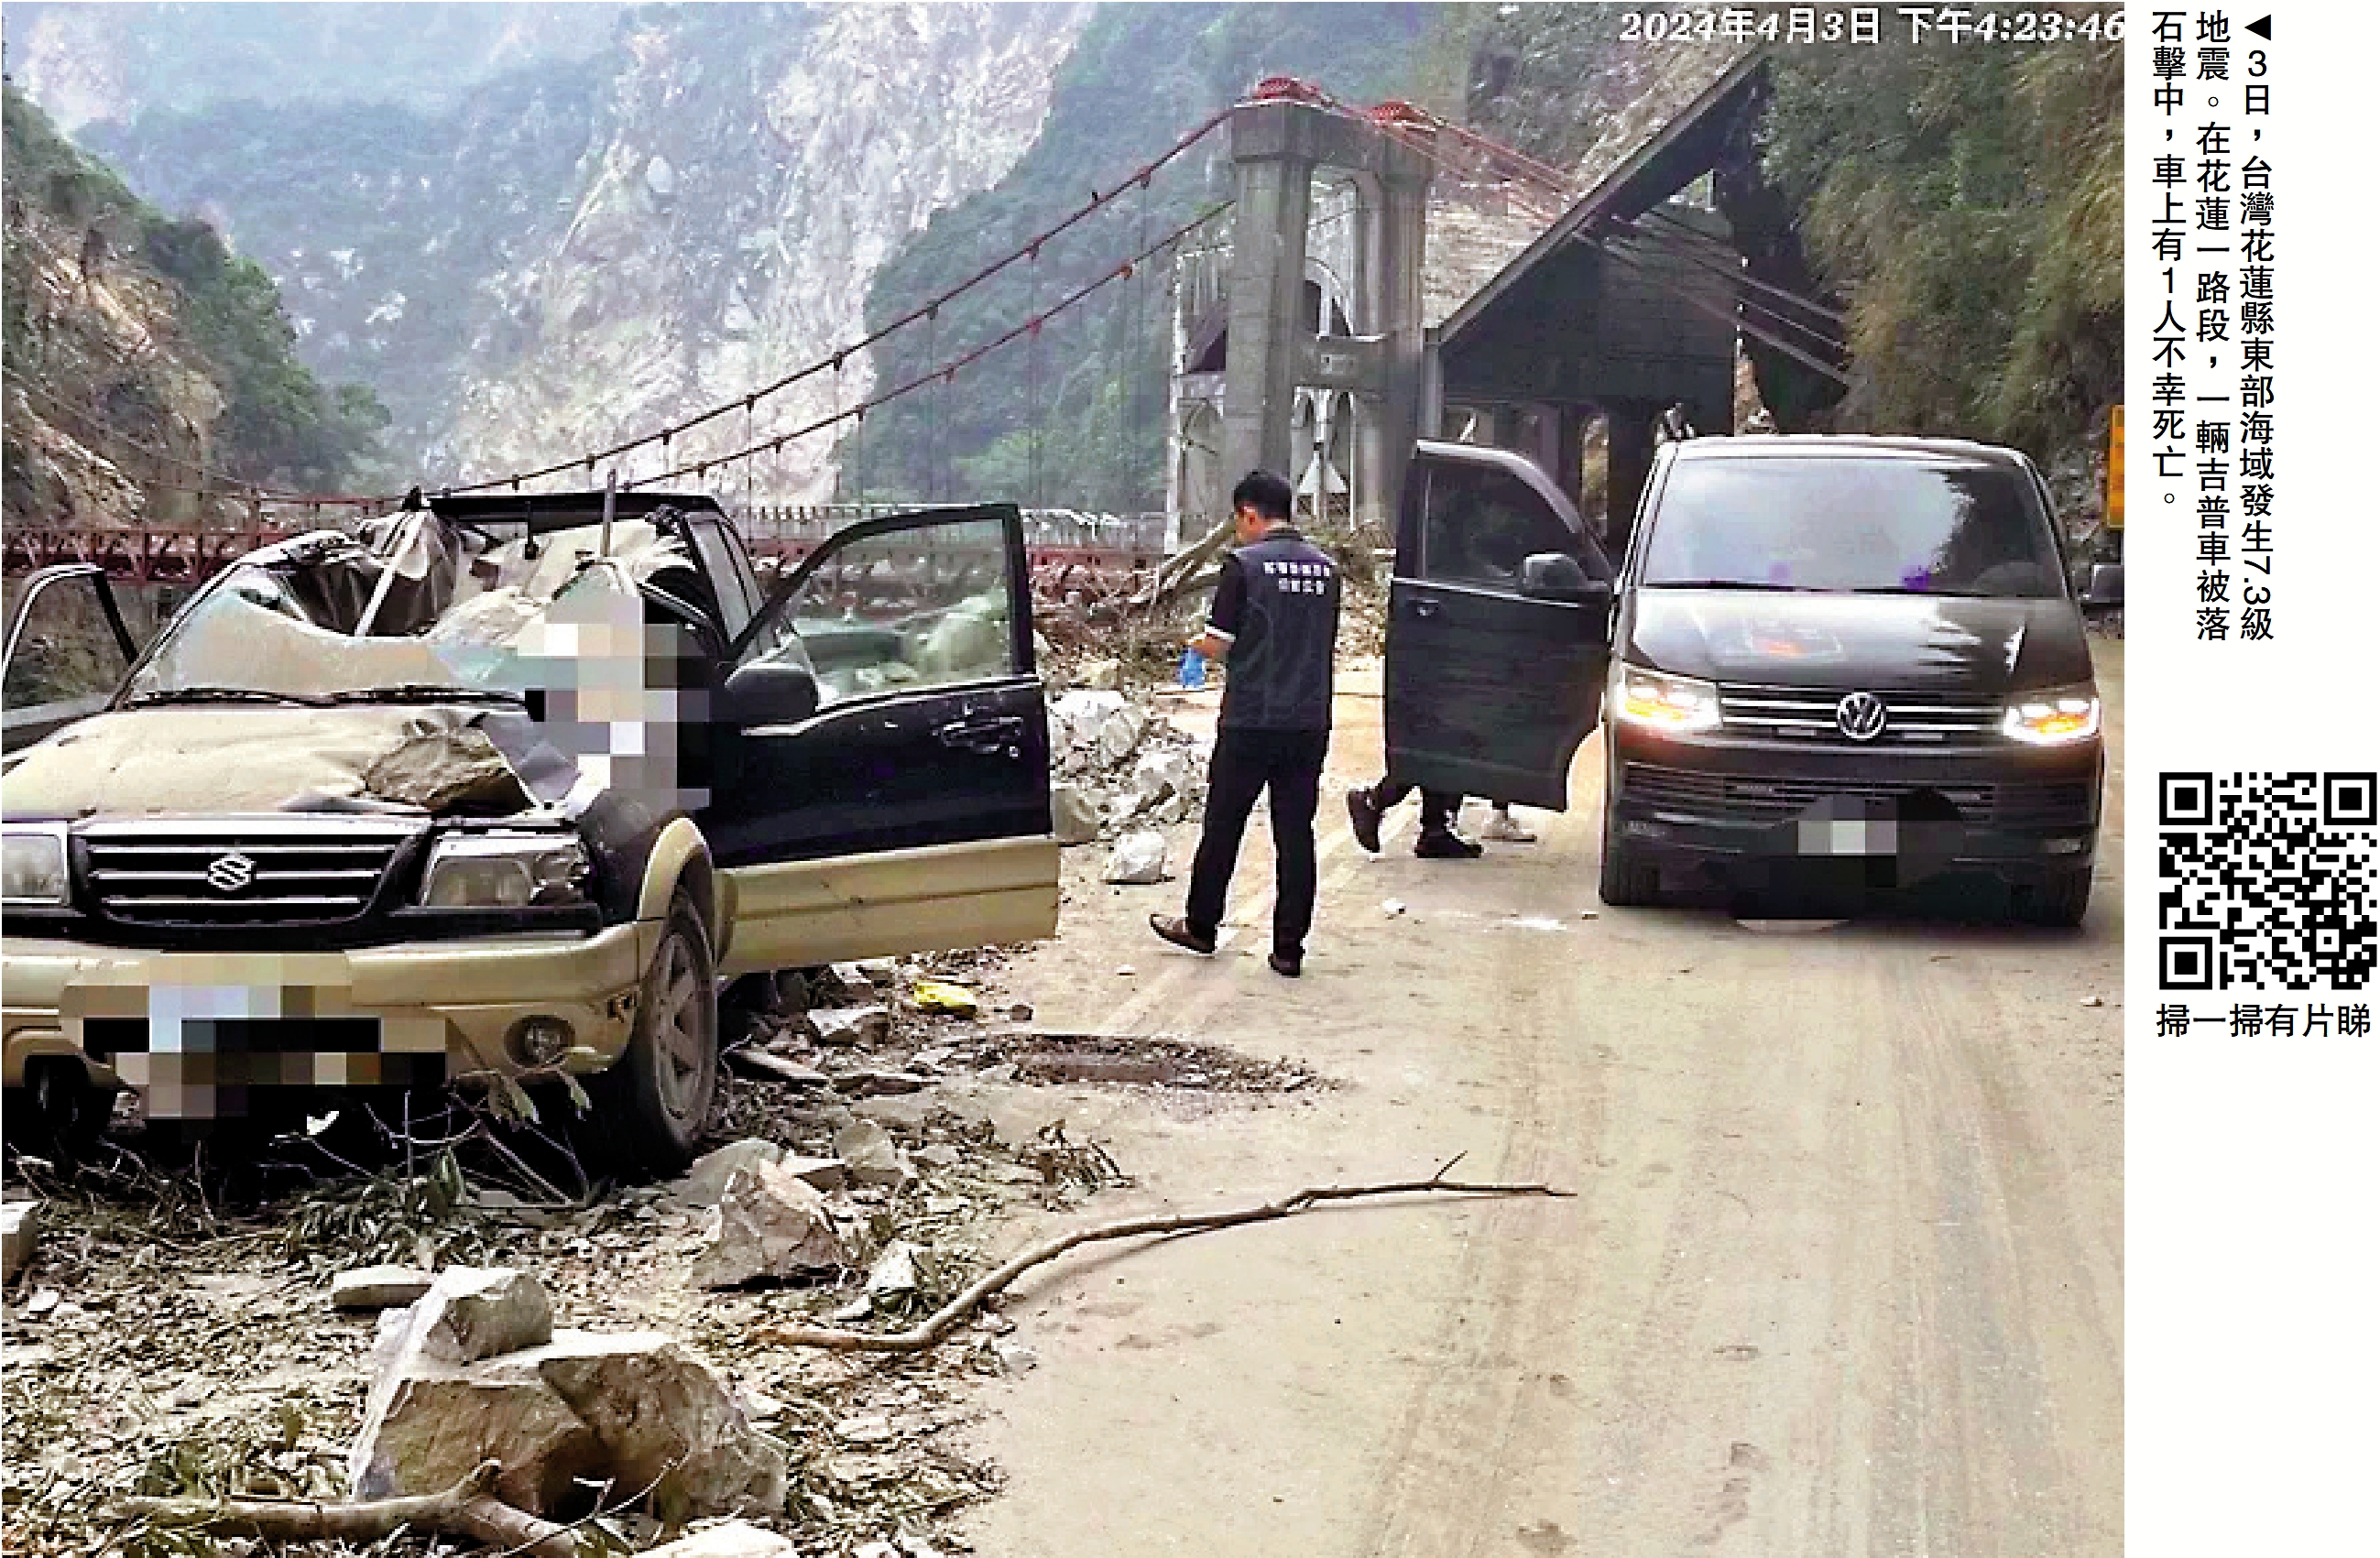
(1661, 702)
(2053, 716)
(33, 865)
(504, 871)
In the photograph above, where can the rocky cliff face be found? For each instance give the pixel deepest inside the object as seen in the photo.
(87, 64)
(745, 185)
(584, 251)
(140, 366)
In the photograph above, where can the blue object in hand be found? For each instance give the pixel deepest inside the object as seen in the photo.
(1193, 668)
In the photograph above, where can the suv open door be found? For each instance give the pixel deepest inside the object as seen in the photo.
(1500, 629)
(67, 651)
(887, 785)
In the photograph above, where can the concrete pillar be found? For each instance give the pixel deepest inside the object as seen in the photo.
(1267, 293)
(1393, 239)
(1630, 432)
(1544, 438)
(1569, 468)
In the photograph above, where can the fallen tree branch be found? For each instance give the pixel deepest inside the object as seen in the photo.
(467, 1509)
(1172, 572)
(937, 1325)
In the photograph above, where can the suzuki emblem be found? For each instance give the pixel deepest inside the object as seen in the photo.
(1860, 717)
(228, 874)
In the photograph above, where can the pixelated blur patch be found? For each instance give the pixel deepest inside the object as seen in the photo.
(2264, 880)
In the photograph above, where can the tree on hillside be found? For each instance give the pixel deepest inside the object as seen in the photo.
(279, 427)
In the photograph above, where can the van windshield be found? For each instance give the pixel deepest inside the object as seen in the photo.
(1895, 525)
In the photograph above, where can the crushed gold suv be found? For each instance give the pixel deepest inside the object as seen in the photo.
(504, 787)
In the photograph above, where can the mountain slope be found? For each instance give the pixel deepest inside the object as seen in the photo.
(141, 356)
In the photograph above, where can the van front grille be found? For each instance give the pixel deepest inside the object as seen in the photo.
(1911, 720)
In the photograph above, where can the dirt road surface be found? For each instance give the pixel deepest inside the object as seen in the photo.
(1842, 1275)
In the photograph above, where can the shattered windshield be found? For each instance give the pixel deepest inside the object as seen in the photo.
(1893, 527)
(434, 622)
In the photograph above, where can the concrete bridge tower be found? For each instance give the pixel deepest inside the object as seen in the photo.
(1272, 344)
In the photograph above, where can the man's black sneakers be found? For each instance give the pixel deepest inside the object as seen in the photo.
(1445, 844)
(1287, 965)
(1175, 929)
(1363, 814)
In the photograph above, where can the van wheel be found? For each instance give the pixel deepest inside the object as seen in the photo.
(2061, 900)
(658, 1096)
(1627, 881)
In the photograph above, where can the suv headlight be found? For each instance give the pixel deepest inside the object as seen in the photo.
(1661, 702)
(504, 871)
(2054, 716)
(33, 865)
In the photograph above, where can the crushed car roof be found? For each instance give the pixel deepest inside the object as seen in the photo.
(563, 511)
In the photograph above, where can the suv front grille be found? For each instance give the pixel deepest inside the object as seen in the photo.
(1911, 720)
(260, 873)
(2028, 806)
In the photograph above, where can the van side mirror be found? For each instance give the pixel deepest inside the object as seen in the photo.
(1553, 576)
(2106, 587)
(770, 693)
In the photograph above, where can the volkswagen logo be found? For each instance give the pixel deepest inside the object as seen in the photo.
(228, 874)
(1860, 717)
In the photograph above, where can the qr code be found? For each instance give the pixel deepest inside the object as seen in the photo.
(2265, 881)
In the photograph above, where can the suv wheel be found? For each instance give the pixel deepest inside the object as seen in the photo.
(2061, 900)
(658, 1096)
(1627, 881)
(57, 1115)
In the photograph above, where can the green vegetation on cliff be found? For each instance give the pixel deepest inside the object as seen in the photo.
(176, 301)
(1969, 205)
(1963, 206)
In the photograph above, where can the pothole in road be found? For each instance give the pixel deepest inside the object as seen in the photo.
(1145, 1060)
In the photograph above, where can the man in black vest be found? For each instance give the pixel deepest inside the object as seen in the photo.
(1273, 625)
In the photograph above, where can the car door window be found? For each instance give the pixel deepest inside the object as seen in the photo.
(927, 605)
(1480, 523)
(712, 546)
(64, 646)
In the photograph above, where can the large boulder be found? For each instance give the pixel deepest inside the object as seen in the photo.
(469, 1313)
(1161, 775)
(380, 1287)
(430, 1422)
(666, 1421)
(636, 1409)
(871, 1156)
(769, 1224)
(1139, 859)
(1120, 734)
(1076, 719)
(704, 1183)
(17, 1221)
(848, 1027)
(1073, 814)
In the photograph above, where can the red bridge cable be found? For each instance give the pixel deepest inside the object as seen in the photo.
(946, 370)
(1030, 248)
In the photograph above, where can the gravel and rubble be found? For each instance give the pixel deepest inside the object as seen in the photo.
(170, 1335)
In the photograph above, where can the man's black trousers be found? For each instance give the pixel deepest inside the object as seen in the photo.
(1247, 763)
